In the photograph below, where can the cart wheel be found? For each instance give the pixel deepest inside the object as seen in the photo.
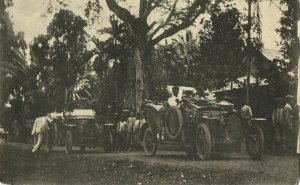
(255, 142)
(68, 142)
(82, 148)
(203, 142)
(150, 142)
(108, 141)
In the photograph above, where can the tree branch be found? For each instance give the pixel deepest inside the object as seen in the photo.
(121, 12)
(150, 7)
(143, 7)
(166, 22)
(192, 13)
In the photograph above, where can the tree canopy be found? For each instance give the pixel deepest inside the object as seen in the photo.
(61, 56)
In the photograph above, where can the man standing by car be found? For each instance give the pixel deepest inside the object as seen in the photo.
(278, 125)
(122, 131)
(130, 136)
(174, 100)
(39, 131)
(288, 121)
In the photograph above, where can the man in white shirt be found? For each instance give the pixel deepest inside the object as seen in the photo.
(122, 130)
(39, 131)
(138, 123)
(174, 100)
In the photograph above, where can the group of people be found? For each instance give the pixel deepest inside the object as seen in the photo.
(284, 122)
(175, 100)
(127, 131)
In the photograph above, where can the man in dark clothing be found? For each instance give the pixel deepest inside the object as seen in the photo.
(288, 123)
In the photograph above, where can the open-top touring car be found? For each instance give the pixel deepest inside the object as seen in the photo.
(202, 127)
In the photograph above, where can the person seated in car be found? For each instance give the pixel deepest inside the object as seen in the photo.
(200, 95)
(174, 100)
(188, 94)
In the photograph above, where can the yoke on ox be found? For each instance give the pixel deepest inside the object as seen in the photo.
(202, 129)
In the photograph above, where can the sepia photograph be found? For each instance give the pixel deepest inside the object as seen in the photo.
(149, 92)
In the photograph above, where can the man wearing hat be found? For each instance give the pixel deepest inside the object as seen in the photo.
(39, 131)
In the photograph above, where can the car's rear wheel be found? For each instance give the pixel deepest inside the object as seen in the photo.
(150, 142)
(255, 142)
(203, 142)
(68, 142)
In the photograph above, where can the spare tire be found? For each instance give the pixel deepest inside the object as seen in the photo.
(173, 122)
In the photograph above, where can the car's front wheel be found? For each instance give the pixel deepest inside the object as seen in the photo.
(150, 142)
(203, 142)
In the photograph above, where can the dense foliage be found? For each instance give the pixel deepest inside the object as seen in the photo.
(287, 66)
(13, 71)
(60, 58)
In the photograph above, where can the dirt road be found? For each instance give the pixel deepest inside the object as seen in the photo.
(17, 166)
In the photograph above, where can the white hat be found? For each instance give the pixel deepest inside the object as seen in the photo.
(289, 96)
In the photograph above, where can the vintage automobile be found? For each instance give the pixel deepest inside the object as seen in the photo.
(81, 129)
(202, 127)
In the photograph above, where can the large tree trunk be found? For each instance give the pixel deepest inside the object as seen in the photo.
(249, 54)
(140, 58)
(140, 83)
